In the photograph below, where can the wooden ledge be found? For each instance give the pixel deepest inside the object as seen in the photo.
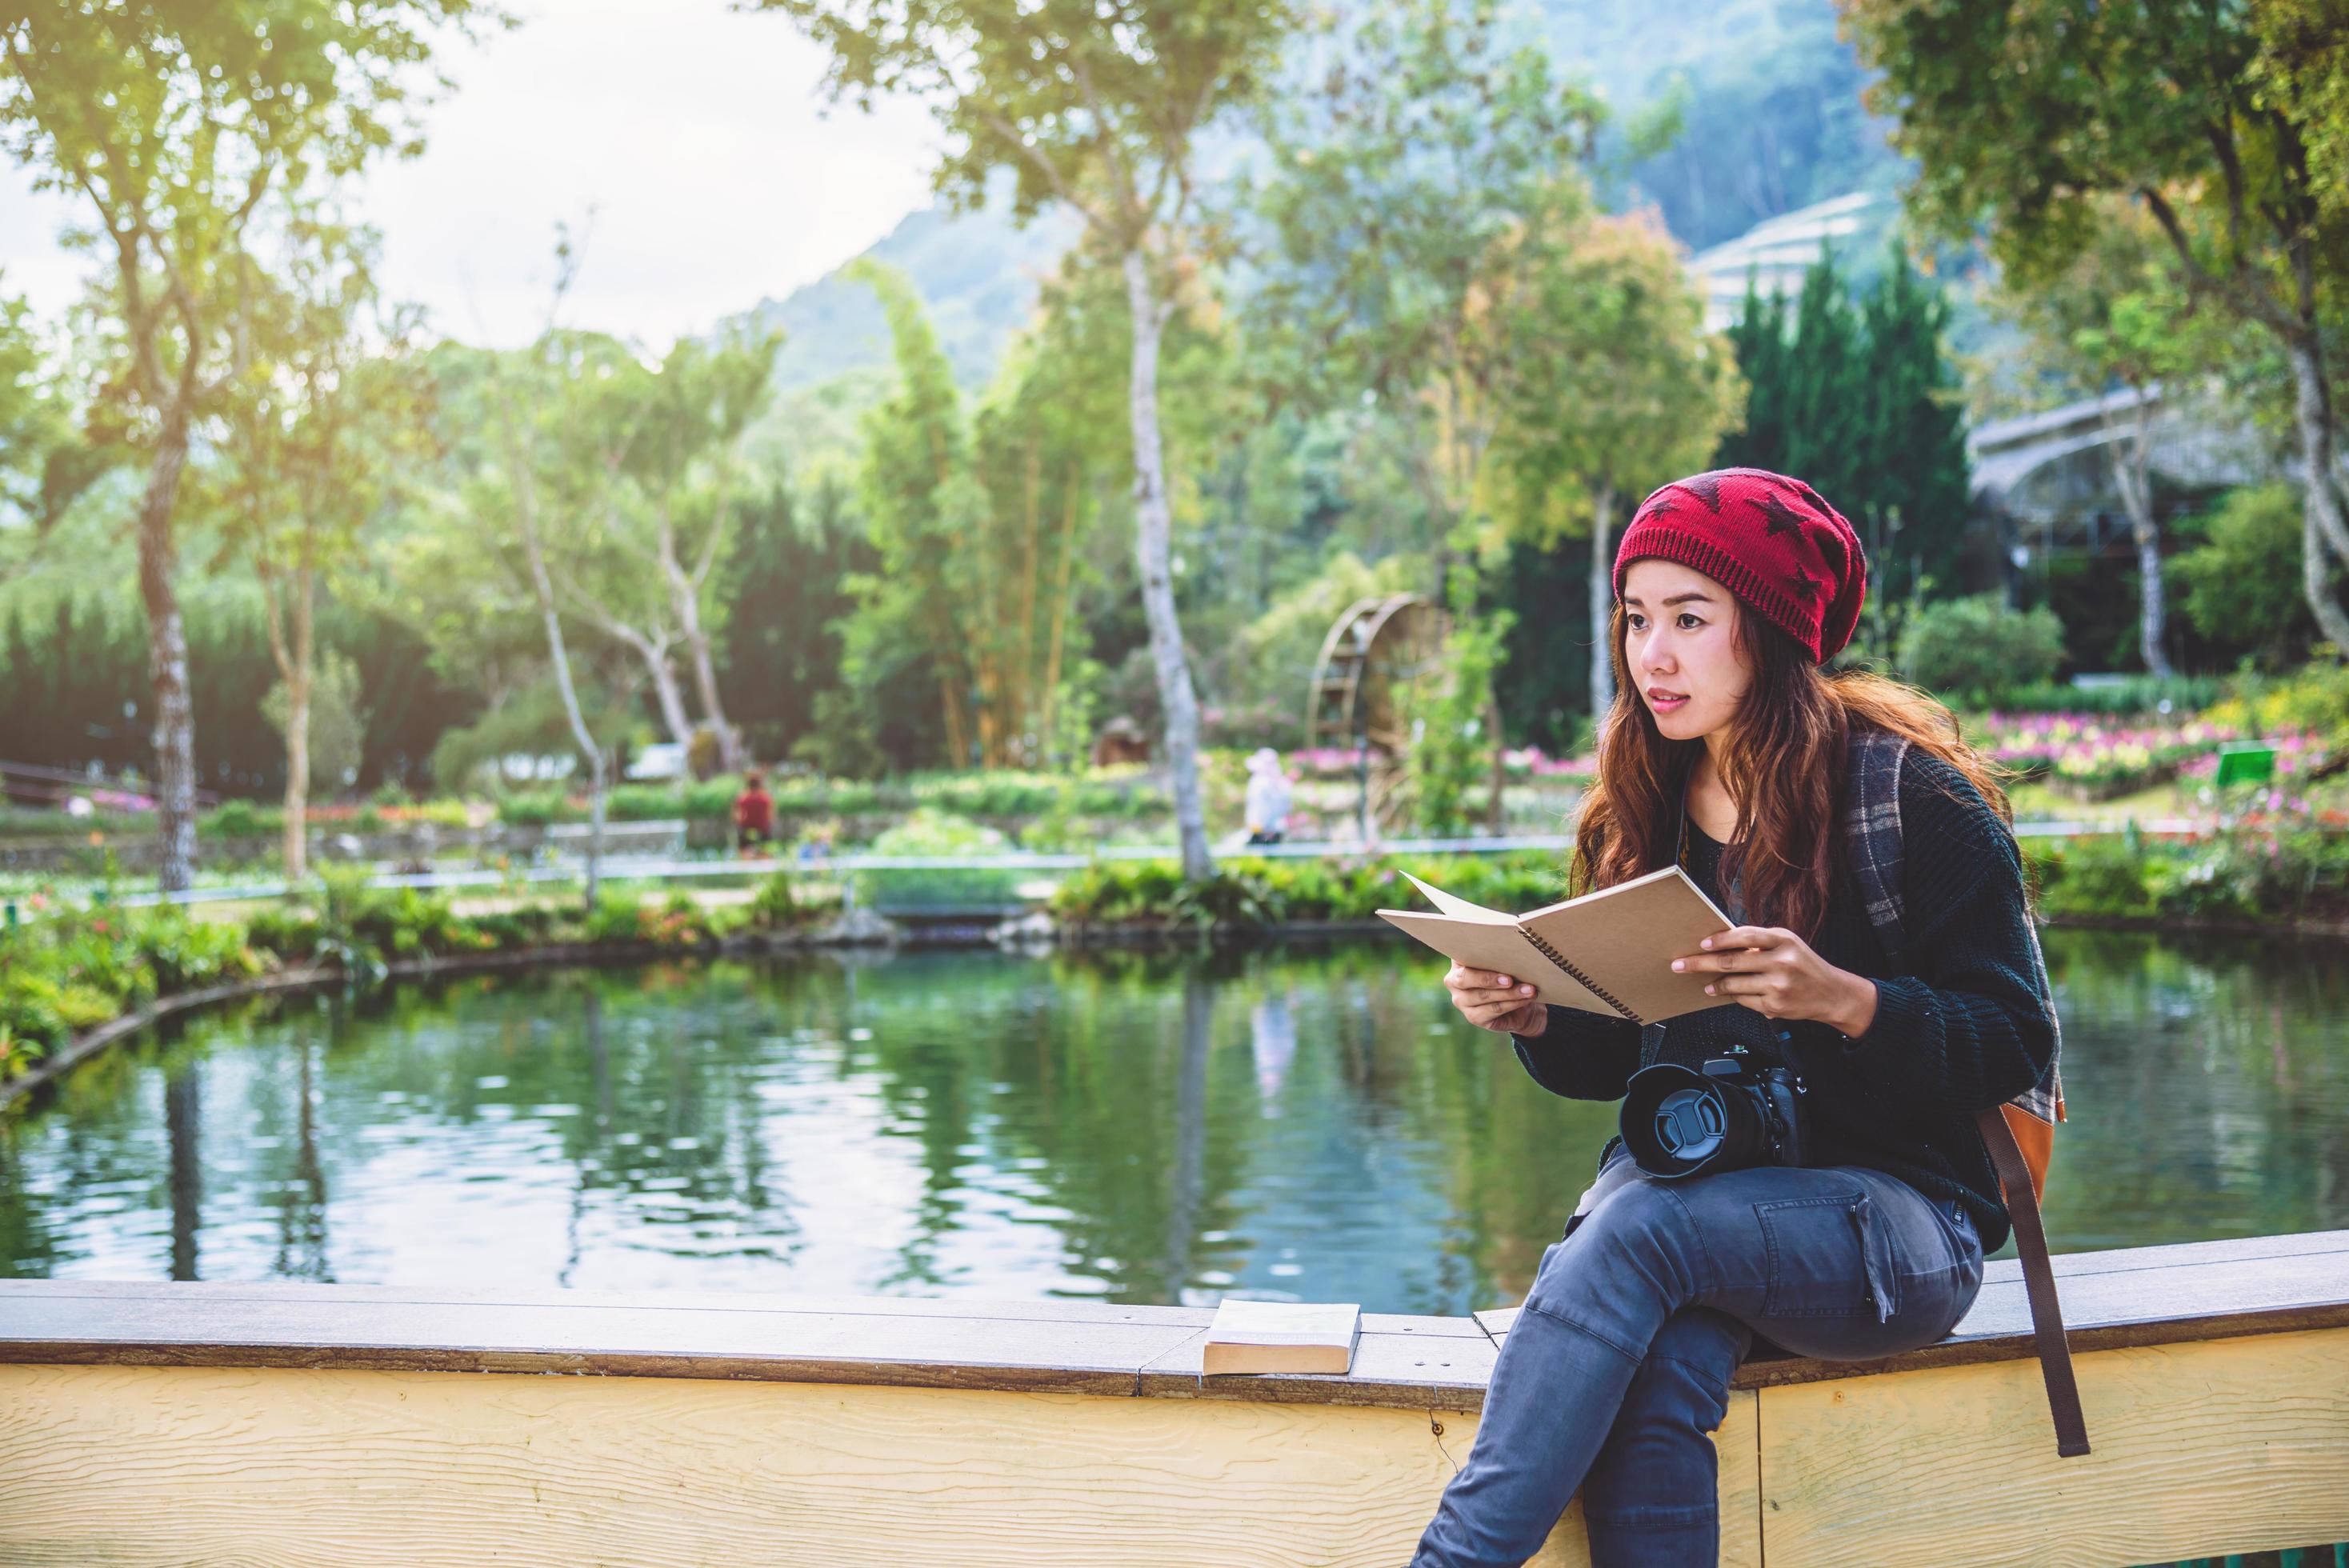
(2142, 1296)
(1074, 1347)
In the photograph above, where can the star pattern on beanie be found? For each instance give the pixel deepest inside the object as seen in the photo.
(1786, 555)
(1777, 517)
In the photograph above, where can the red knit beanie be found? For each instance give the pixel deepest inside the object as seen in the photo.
(1787, 555)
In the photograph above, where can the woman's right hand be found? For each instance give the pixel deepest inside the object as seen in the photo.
(1501, 1003)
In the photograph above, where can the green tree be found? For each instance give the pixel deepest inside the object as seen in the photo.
(518, 436)
(785, 578)
(1859, 399)
(1408, 203)
(2021, 116)
(2113, 320)
(174, 127)
(1977, 647)
(46, 463)
(2239, 584)
(321, 433)
(927, 515)
(681, 481)
(1622, 390)
(1098, 109)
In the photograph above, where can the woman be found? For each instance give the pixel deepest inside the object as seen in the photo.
(1726, 752)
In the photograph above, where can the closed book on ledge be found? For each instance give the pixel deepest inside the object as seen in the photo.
(1281, 1336)
(1608, 952)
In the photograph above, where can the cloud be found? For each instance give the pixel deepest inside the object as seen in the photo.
(699, 136)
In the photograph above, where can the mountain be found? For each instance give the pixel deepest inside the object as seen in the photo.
(1766, 94)
(978, 272)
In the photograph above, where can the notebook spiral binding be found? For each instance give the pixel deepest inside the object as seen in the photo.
(1555, 956)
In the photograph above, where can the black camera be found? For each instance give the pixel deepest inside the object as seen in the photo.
(1732, 1115)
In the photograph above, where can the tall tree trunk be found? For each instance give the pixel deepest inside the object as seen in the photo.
(685, 592)
(1152, 525)
(1023, 698)
(1061, 607)
(667, 693)
(167, 658)
(559, 655)
(1602, 604)
(2324, 529)
(298, 732)
(705, 684)
(2133, 477)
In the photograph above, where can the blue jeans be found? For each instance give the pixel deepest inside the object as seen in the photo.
(1617, 1368)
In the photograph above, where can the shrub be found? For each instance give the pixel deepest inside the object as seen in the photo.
(677, 922)
(1980, 649)
(240, 819)
(2099, 878)
(776, 906)
(929, 831)
(532, 810)
(184, 954)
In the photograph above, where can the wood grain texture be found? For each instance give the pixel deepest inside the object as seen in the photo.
(2235, 1445)
(269, 1467)
(124, 1466)
(1065, 1347)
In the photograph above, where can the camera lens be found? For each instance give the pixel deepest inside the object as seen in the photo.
(1689, 1123)
(1676, 1122)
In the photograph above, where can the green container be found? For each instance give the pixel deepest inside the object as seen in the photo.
(2245, 762)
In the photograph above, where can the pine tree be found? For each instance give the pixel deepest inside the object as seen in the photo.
(1858, 399)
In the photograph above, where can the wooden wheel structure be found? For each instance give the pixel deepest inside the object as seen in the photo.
(1378, 653)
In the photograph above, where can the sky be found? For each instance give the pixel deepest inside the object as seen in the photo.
(699, 136)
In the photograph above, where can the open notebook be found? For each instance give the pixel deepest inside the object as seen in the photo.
(1608, 952)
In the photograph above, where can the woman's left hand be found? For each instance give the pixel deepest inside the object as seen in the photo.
(1774, 971)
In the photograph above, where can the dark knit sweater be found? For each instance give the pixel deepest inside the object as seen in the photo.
(1965, 1033)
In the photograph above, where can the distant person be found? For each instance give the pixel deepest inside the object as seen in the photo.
(754, 811)
(1268, 797)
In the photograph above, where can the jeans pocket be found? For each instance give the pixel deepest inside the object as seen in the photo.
(1829, 1257)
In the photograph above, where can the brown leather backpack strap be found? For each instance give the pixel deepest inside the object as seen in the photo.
(2038, 1283)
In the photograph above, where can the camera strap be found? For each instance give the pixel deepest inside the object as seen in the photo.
(1873, 844)
(2038, 1283)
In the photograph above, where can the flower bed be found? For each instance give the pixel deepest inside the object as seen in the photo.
(2092, 758)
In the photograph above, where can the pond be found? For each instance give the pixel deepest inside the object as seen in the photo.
(1305, 1120)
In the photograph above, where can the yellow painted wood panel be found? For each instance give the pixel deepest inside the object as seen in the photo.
(120, 1465)
(115, 1465)
(2223, 1446)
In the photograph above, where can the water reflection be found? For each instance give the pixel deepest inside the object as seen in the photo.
(1305, 1121)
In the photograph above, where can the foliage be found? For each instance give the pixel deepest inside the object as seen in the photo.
(1450, 766)
(2315, 698)
(778, 907)
(1858, 398)
(1406, 202)
(677, 922)
(196, 136)
(2241, 584)
(785, 586)
(2279, 858)
(76, 971)
(928, 831)
(1978, 647)
(2023, 119)
(1251, 891)
(337, 723)
(2137, 695)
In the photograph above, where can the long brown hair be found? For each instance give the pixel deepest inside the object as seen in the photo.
(1784, 765)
